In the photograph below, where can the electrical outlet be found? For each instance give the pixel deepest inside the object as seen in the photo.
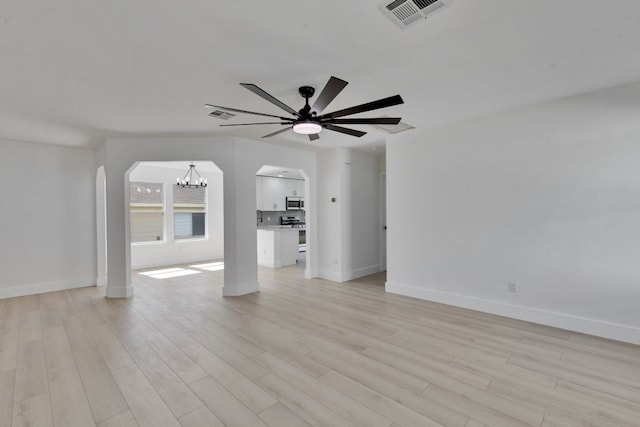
(512, 287)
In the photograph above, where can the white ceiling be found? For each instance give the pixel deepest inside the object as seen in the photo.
(73, 72)
(278, 172)
(210, 167)
(201, 166)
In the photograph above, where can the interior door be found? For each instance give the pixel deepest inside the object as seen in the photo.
(383, 222)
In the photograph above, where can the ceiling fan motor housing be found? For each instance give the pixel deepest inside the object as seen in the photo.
(305, 112)
(306, 91)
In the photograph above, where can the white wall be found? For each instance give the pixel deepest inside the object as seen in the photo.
(547, 197)
(171, 251)
(47, 218)
(349, 227)
(331, 169)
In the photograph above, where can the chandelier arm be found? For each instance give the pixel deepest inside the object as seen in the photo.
(197, 173)
(188, 181)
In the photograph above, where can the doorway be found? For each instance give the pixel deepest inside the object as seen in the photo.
(172, 222)
(383, 221)
(282, 217)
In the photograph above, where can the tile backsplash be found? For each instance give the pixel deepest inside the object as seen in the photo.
(266, 218)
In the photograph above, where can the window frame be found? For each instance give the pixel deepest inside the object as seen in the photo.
(162, 211)
(205, 211)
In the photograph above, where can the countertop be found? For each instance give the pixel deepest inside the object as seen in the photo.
(279, 228)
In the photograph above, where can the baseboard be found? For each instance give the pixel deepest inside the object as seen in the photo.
(340, 277)
(102, 280)
(569, 322)
(308, 274)
(240, 289)
(40, 288)
(119, 291)
(334, 276)
(268, 264)
(361, 272)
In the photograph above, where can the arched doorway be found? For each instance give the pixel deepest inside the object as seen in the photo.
(283, 217)
(171, 224)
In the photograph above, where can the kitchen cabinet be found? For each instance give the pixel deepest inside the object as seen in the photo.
(259, 202)
(271, 193)
(277, 247)
(273, 197)
(293, 188)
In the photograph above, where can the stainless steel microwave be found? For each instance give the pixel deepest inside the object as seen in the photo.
(295, 203)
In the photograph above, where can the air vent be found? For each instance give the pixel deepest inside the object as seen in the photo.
(222, 115)
(400, 127)
(406, 13)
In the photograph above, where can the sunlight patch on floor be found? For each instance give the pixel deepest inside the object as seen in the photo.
(210, 266)
(168, 273)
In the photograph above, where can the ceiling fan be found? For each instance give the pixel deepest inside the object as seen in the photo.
(309, 121)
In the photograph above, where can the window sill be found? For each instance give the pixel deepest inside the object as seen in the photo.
(149, 243)
(191, 239)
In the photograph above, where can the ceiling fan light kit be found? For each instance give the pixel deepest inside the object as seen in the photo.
(307, 128)
(309, 120)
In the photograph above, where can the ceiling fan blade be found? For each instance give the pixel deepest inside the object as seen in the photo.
(261, 123)
(341, 129)
(244, 111)
(373, 105)
(366, 121)
(333, 87)
(313, 136)
(261, 93)
(277, 132)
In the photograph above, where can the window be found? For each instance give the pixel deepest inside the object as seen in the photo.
(189, 212)
(146, 209)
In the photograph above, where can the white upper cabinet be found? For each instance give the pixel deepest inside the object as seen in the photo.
(271, 193)
(259, 193)
(299, 188)
(293, 188)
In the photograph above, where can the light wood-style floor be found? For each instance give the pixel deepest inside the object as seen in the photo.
(301, 352)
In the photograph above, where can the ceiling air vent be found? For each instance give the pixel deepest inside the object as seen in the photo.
(223, 115)
(400, 127)
(406, 13)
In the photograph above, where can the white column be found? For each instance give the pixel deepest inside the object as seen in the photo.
(118, 247)
(240, 240)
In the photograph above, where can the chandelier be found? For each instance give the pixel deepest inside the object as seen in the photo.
(191, 181)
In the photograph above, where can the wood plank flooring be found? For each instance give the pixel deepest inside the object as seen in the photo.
(299, 353)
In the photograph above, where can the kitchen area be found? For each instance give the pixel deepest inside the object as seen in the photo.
(280, 217)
